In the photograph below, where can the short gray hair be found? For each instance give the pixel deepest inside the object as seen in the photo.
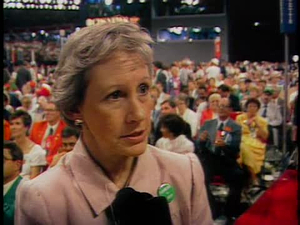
(89, 47)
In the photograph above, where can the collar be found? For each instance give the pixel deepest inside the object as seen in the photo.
(54, 126)
(98, 190)
(8, 185)
(222, 121)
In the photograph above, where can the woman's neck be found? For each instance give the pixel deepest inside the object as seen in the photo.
(24, 143)
(250, 115)
(117, 168)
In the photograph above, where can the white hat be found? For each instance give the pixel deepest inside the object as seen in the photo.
(215, 61)
(242, 76)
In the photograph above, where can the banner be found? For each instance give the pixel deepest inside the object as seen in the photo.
(288, 16)
(218, 47)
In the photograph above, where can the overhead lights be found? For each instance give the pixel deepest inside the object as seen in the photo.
(197, 29)
(256, 24)
(217, 29)
(165, 1)
(295, 58)
(77, 29)
(77, 2)
(108, 2)
(142, 1)
(129, 1)
(195, 2)
(33, 34)
(42, 32)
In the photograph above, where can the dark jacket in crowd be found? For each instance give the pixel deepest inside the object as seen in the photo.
(235, 103)
(23, 76)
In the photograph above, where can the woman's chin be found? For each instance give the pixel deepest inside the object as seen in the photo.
(136, 150)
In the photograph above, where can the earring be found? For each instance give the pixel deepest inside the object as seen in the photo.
(78, 122)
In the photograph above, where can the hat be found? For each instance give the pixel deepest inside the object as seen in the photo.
(44, 91)
(215, 61)
(242, 76)
(268, 91)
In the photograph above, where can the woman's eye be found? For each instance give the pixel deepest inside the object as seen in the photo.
(115, 95)
(144, 88)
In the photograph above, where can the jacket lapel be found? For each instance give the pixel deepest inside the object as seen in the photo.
(98, 190)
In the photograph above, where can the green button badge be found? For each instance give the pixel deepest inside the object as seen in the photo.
(167, 191)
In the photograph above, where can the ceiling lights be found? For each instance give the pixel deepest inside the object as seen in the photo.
(42, 4)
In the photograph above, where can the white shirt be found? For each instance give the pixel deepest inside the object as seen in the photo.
(36, 157)
(54, 127)
(180, 145)
(222, 121)
(7, 186)
(191, 118)
(213, 72)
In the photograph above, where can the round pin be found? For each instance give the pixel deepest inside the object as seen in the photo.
(167, 191)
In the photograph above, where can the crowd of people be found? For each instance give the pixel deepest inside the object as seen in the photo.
(226, 113)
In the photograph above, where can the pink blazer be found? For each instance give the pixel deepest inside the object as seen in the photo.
(77, 192)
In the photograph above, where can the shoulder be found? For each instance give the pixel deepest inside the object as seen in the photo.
(262, 121)
(37, 149)
(240, 117)
(39, 124)
(234, 124)
(191, 113)
(46, 183)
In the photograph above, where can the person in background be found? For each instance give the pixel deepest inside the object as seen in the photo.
(48, 133)
(6, 130)
(254, 136)
(213, 71)
(160, 75)
(175, 81)
(212, 111)
(23, 75)
(70, 136)
(185, 74)
(12, 166)
(34, 155)
(103, 79)
(187, 114)
(224, 91)
(220, 140)
(212, 86)
(202, 102)
(271, 112)
(173, 138)
(27, 105)
(193, 94)
(7, 108)
(169, 107)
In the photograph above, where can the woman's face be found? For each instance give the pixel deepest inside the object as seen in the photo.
(214, 104)
(212, 82)
(165, 132)
(17, 127)
(253, 94)
(117, 107)
(252, 108)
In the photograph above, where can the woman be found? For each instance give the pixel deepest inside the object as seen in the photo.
(212, 87)
(34, 155)
(212, 111)
(103, 79)
(254, 136)
(173, 138)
